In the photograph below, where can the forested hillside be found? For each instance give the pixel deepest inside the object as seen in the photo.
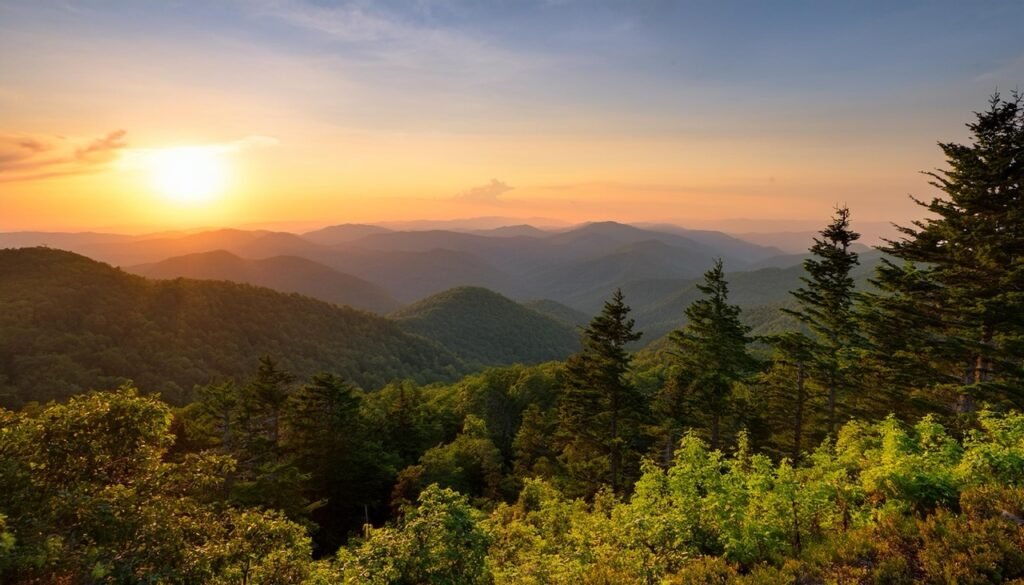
(69, 324)
(483, 327)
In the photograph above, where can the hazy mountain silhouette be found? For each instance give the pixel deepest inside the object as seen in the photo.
(559, 311)
(245, 243)
(340, 234)
(410, 276)
(281, 273)
(514, 230)
(572, 281)
(577, 267)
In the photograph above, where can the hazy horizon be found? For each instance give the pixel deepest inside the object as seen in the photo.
(774, 233)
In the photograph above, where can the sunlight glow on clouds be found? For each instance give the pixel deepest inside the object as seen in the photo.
(28, 157)
(490, 193)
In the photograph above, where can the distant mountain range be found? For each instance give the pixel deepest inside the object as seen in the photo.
(566, 273)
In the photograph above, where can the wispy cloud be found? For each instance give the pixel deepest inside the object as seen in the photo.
(32, 157)
(489, 194)
(344, 22)
(372, 34)
(35, 157)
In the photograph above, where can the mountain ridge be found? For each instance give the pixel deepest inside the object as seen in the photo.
(281, 273)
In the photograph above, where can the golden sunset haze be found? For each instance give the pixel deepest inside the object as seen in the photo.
(338, 112)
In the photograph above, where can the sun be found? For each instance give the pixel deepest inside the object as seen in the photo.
(187, 174)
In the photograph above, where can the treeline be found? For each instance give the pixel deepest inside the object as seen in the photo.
(865, 447)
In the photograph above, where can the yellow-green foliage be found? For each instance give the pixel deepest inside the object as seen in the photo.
(92, 494)
(885, 503)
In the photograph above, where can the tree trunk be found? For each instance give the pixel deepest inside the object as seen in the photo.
(979, 371)
(616, 449)
(832, 404)
(797, 541)
(669, 450)
(964, 401)
(715, 423)
(798, 418)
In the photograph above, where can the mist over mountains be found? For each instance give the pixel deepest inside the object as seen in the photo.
(564, 273)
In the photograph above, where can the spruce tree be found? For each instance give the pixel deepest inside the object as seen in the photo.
(266, 474)
(961, 283)
(713, 348)
(600, 412)
(345, 466)
(826, 307)
(673, 408)
(790, 397)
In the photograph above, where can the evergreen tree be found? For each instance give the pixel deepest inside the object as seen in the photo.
(960, 286)
(266, 473)
(826, 307)
(713, 348)
(532, 451)
(347, 469)
(600, 412)
(218, 410)
(263, 405)
(789, 394)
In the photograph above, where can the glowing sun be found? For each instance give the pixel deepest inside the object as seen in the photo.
(187, 174)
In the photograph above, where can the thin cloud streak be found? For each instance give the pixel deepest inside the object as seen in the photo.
(32, 158)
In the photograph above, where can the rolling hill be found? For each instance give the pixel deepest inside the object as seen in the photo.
(281, 273)
(68, 324)
(484, 327)
(559, 311)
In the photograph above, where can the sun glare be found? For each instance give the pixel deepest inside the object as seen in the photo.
(188, 175)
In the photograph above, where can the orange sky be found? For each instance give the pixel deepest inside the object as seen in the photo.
(357, 114)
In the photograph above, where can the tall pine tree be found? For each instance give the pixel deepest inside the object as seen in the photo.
(600, 412)
(346, 468)
(789, 394)
(826, 307)
(713, 348)
(266, 473)
(961, 284)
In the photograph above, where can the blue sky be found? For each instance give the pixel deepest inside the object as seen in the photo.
(639, 109)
